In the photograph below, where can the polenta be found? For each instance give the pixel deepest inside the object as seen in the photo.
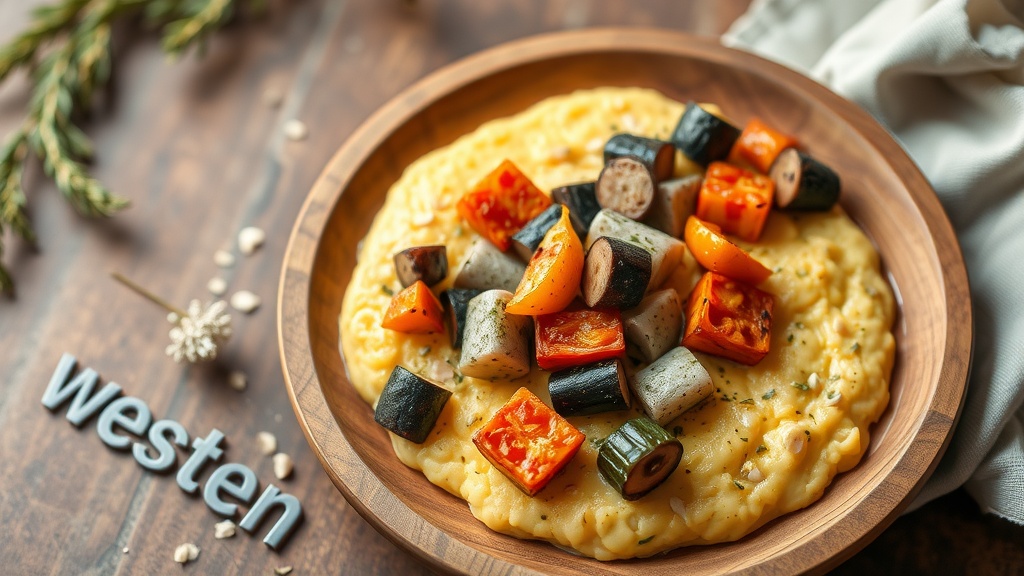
(768, 441)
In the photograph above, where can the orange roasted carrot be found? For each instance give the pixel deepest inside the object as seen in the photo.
(759, 145)
(414, 310)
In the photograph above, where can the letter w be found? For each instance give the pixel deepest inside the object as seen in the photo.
(84, 405)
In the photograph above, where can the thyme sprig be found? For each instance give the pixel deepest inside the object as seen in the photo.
(67, 50)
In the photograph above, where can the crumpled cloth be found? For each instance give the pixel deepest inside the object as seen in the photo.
(946, 77)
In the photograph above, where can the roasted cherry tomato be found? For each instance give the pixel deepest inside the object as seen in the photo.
(729, 318)
(578, 336)
(501, 204)
(736, 199)
(716, 253)
(759, 145)
(414, 310)
(528, 442)
(553, 275)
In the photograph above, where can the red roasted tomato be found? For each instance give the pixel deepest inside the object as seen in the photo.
(729, 318)
(578, 336)
(501, 204)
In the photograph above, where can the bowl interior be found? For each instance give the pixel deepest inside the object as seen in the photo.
(882, 191)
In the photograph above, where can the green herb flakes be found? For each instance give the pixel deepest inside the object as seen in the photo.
(768, 395)
(760, 449)
(747, 401)
(801, 386)
(387, 290)
(646, 540)
(738, 485)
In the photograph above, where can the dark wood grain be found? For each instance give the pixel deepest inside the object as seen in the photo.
(200, 154)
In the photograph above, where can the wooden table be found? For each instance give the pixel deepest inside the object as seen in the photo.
(201, 153)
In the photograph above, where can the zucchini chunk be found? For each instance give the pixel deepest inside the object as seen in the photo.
(638, 457)
(591, 389)
(615, 274)
(655, 326)
(702, 136)
(496, 344)
(674, 202)
(666, 252)
(488, 268)
(626, 185)
(671, 385)
(409, 405)
(456, 302)
(659, 156)
(581, 202)
(526, 241)
(426, 263)
(803, 183)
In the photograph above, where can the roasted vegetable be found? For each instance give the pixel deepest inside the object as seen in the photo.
(666, 251)
(528, 442)
(674, 201)
(654, 326)
(409, 405)
(581, 202)
(736, 199)
(590, 389)
(729, 318)
(638, 457)
(615, 274)
(702, 136)
(414, 310)
(496, 344)
(552, 277)
(487, 268)
(456, 303)
(803, 183)
(716, 253)
(501, 204)
(626, 185)
(759, 145)
(426, 263)
(657, 155)
(526, 241)
(671, 385)
(578, 336)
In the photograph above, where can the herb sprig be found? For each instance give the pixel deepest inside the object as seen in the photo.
(66, 48)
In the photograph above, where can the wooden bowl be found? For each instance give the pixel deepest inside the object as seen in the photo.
(883, 191)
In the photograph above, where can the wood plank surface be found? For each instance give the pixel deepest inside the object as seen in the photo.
(200, 153)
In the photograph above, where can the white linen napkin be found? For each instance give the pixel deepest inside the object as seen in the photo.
(946, 77)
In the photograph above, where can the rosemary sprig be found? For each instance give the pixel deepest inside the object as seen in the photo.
(75, 36)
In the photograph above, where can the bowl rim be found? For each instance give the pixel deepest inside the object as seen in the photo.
(294, 336)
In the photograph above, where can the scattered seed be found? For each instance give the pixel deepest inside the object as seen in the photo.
(245, 301)
(186, 553)
(217, 286)
(223, 258)
(295, 130)
(595, 145)
(267, 443)
(238, 380)
(423, 218)
(283, 570)
(124, 550)
(677, 506)
(282, 465)
(755, 475)
(250, 238)
(812, 381)
(225, 529)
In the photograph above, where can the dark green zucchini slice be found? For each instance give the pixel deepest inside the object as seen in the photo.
(626, 186)
(659, 156)
(526, 240)
(409, 405)
(426, 263)
(702, 136)
(638, 457)
(456, 302)
(582, 205)
(615, 274)
(590, 389)
(803, 183)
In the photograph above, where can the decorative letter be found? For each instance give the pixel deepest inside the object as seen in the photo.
(115, 414)
(203, 450)
(82, 406)
(288, 522)
(165, 455)
(221, 480)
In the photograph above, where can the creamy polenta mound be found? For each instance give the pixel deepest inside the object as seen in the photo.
(770, 439)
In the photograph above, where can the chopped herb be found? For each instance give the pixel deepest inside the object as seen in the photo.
(747, 401)
(813, 419)
(833, 378)
(855, 347)
(387, 290)
(768, 395)
(646, 540)
(738, 485)
(424, 351)
(761, 448)
(742, 438)
(799, 325)
(614, 127)
(777, 269)
(725, 398)
(458, 229)
(789, 338)
(801, 385)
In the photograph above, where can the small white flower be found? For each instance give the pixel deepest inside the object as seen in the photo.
(198, 334)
